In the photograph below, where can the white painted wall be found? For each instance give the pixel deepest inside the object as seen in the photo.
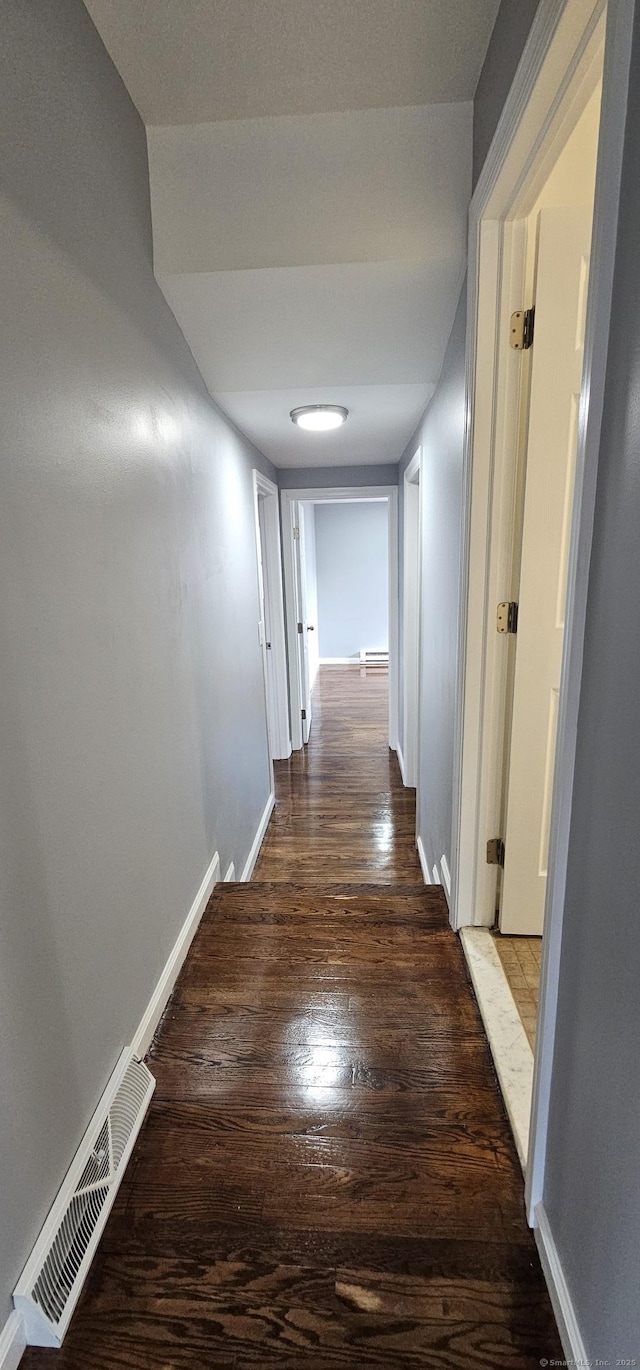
(352, 577)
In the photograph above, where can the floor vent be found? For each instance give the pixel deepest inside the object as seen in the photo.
(51, 1282)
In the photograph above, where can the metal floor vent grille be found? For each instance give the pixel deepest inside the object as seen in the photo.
(53, 1277)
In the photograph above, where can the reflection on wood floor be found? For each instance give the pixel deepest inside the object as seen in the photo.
(326, 1179)
(342, 812)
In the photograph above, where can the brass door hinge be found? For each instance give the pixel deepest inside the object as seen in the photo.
(507, 617)
(300, 627)
(521, 329)
(495, 852)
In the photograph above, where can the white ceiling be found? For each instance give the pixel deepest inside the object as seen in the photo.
(198, 61)
(310, 168)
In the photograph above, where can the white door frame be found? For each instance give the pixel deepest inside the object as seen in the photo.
(548, 93)
(277, 699)
(337, 494)
(408, 747)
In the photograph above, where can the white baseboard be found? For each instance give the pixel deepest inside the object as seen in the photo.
(572, 1343)
(231, 873)
(258, 839)
(446, 876)
(13, 1342)
(426, 873)
(160, 997)
(400, 761)
(436, 874)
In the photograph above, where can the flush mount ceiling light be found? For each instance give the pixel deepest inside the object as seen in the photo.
(319, 418)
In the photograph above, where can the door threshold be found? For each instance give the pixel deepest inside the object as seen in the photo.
(512, 1054)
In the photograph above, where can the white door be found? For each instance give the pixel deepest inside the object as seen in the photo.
(300, 577)
(264, 627)
(562, 280)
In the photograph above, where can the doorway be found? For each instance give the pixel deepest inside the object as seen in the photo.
(562, 67)
(412, 573)
(344, 639)
(271, 626)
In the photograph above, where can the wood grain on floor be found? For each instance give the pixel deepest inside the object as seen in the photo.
(342, 812)
(326, 1179)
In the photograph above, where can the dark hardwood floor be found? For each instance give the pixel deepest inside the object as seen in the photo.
(326, 1179)
(342, 812)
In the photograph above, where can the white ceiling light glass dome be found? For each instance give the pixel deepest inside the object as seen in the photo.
(319, 418)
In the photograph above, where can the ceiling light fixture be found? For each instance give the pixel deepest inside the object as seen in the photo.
(319, 418)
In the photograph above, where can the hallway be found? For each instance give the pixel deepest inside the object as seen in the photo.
(342, 812)
(326, 1177)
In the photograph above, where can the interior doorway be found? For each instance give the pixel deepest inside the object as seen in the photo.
(271, 625)
(554, 103)
(320, 626)
(412, 576)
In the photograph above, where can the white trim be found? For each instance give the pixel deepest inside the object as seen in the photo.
(412, 621)
(512, 1055)
(572, 1343)
(549, 91)
(13, 1342)
(231, 873)
(271, 588)
(446, 876)
(247, 870)
(426, 873)
(330, 495)
(401, 763)
(436, 874)
(161, 994)
(339, 661)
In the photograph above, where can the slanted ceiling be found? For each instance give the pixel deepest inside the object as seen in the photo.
(310, 168)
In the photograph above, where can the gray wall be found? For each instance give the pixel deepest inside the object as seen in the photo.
(592, 1181)
(132, 719)
(308, 477)
(441, 434)
(509, 36)
(352, 568)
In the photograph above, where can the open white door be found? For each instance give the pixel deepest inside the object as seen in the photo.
(300, 584)
(562, 280)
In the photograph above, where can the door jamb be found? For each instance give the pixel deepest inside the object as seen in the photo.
(333, 494)
(408, 757)
(278, 707)
(532, 123)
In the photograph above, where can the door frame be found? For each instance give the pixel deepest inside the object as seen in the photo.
(545, 100)
(277, 706)
(339, 494)
(409, 748)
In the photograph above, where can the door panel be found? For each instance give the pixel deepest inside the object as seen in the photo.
(562, 278)
(301, 617)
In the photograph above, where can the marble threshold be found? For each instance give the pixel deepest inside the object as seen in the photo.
(512, 1054)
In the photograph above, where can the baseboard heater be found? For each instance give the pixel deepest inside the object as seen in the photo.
(368, 658)
(51, 1282)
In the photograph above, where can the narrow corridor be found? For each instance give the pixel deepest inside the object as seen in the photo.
(326, 1177)
(342, 812)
